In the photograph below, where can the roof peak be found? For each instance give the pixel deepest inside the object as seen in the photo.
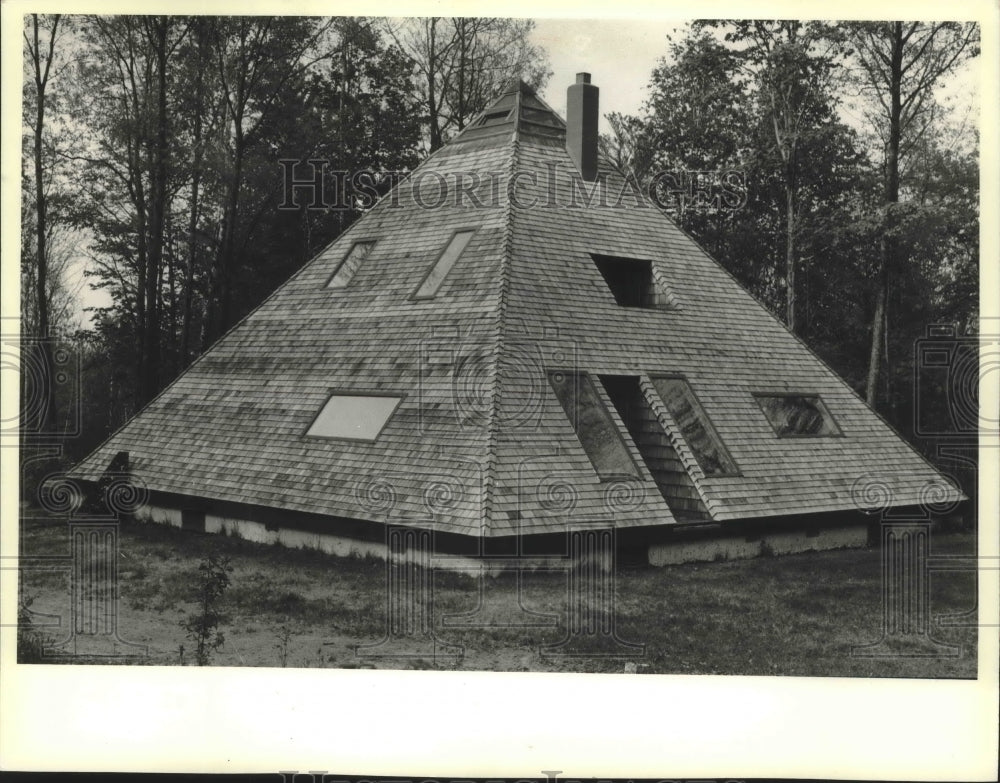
(517, 110)
(518, 85)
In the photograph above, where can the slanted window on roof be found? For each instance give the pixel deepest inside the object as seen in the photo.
(494, 118)
(695, 426)
(595, 428)
(345, 271)
(797, 415)
(437, 273)
(631, 281)
(353, 416)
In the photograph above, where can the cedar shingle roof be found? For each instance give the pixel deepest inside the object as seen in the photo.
(480, 443)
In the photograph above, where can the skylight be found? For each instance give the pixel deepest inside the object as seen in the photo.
(353, 416)
(696, 429)
(494, 118)
(342, 276)
(797, 415)
(594, 426)
(631, 281)
(429, 287)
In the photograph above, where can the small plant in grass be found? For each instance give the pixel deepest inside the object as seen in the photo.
(203, 627)
(284, 637)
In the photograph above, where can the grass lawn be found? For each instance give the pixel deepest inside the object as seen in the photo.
(790, 615)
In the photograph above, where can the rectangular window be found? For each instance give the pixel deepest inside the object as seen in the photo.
(797, 415)
(495, 118)
(594, 426)
(342, 276)
(353, 416)
(429, 287)
(696, 429)
(631, 281)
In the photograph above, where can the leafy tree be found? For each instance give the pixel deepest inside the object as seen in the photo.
(260, 61)
(131, 171)
(181, 133)
(748, 103)
(700, 117)
(793, 67)
(898, 65)
(627, 149)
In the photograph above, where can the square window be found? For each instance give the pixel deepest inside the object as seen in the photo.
(352, 261)
(353, 416)
(631, 281)
(797, 415)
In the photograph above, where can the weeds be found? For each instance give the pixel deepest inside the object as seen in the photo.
(30, 640)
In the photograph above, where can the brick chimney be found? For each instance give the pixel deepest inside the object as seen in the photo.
(581, 125)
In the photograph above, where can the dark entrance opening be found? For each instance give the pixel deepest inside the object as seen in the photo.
(192, 520)
(654, 446)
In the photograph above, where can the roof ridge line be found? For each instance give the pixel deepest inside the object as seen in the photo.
(493, 424)
(678, 443)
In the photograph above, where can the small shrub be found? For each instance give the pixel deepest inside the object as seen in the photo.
(284, 637)
(203, 627)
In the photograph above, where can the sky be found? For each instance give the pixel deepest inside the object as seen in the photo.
(619, 54)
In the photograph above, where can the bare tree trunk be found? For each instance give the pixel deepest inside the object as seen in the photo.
(432, 106)
(41, 75)
(891, 197)
(149, 382)
(790, 245)
(170, 255)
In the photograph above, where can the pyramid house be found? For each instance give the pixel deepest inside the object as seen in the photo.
(502, 350)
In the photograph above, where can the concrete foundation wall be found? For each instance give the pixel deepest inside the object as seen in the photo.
(783, 542)
(341, 546)
(673, 552)
(331, 544)
(160, 515)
